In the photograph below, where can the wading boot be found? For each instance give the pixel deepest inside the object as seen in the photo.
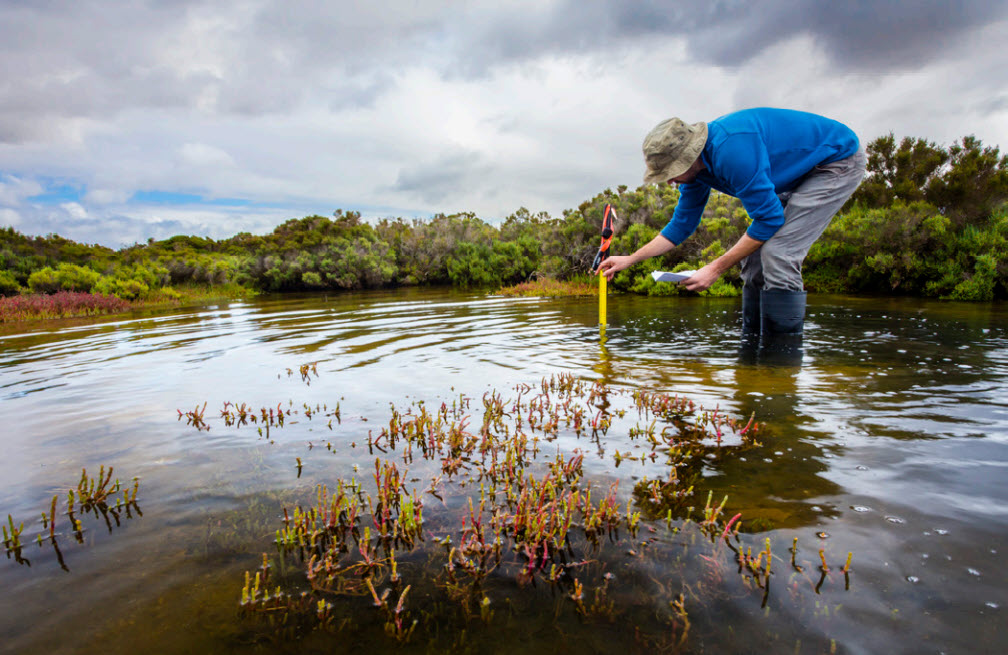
(750, 323)
(782, 320)
(750, 311)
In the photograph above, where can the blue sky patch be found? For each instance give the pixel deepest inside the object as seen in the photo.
(58, 192)
(158, 197)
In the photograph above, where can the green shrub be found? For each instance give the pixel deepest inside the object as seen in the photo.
(470, 265)
(722, 288)
(71, 277)
(913, 249)
(43, 281)
(966, 182)
(360, 264)
(125, 288)
(9, 285)
(980, 285)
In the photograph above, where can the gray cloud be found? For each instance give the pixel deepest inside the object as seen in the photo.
(92, 59)
(95, 59)
(440, 106)
(876, 36)
(435, 180)
(992, 105)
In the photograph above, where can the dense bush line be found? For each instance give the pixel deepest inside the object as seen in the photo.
(927, 221)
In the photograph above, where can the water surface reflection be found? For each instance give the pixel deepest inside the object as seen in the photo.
(890, 436)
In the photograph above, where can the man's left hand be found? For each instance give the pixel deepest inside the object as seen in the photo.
(709, 274)
(702, 279)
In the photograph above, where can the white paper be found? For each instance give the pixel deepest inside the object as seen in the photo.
(663, 276)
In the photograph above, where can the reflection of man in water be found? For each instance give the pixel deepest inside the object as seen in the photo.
(792, 171)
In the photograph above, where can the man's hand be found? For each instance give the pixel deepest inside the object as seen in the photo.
(656, 246)
(708, 275)
(702, 279)
(614, 264)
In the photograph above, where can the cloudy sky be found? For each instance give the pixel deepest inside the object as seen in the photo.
(122, 120)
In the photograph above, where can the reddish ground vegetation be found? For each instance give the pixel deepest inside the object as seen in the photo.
(59, 305)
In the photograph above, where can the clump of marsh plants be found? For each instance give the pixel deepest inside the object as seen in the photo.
(471, 503)
(93, 496)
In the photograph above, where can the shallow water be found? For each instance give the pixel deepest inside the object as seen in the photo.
(887, 437)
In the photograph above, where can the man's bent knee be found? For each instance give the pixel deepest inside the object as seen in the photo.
(781, 269)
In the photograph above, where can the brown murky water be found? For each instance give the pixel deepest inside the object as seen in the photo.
(887, 437)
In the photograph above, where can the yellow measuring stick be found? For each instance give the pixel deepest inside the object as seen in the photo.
(602, 299)
(607, 233)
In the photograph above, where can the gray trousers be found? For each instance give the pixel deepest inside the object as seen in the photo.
(808, 209)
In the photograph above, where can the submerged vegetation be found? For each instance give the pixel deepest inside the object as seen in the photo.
(927, 221)
(475, 516)
(93, 496)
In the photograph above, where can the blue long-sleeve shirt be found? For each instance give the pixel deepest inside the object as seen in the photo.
(753, 155)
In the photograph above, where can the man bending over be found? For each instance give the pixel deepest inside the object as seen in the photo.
(792, 171)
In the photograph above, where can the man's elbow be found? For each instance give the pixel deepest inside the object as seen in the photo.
(763, 230)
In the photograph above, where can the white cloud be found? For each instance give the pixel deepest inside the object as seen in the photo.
(74, 210)
(14, 190)
(102, 197)
(203, 155)
(9, 218)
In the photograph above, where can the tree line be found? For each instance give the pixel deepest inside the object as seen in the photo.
(927, 221)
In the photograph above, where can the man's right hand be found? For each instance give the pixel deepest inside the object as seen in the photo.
(656, 246)
(614, 264)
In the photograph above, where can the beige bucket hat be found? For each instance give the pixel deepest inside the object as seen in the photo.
(671, 148)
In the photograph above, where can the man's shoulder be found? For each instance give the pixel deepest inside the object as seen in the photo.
(739, 123)
(723, 138)
(736, 147)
